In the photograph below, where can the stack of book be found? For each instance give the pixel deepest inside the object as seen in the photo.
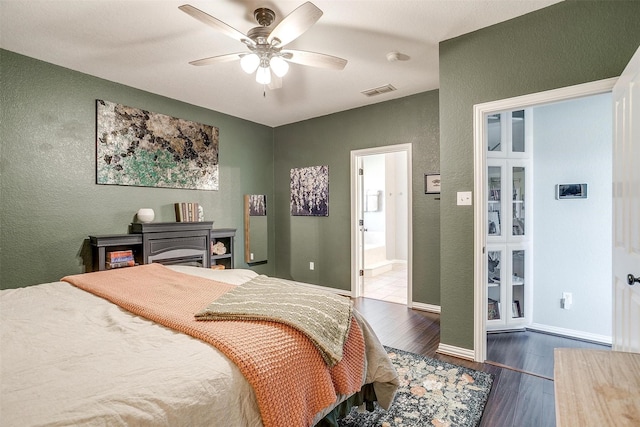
(187, 212)
(118, 259)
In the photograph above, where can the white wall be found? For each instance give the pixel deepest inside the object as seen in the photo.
(572, 238)
(388, 173)
(396, 200)
(374, 180)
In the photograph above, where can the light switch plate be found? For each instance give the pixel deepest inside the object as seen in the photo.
(464, 198)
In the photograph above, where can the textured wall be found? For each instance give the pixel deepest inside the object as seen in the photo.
(329, 140)
(572, 238)
(562, 45)
(49, 200)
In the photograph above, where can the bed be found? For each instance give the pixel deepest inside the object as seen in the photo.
(70, 357)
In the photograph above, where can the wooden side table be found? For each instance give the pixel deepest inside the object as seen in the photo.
(168, 243)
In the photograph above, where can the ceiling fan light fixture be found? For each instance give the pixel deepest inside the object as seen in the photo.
(249, 63)
(279, 66)
(263, 76)
(265, 44)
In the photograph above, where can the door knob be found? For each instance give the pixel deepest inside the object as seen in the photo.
(631, 280)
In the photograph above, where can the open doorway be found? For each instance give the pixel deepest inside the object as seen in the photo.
(541, 306)
(381, 200)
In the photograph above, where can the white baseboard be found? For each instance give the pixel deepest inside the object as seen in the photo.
(604, 339)
(462, 353)
(426, 307)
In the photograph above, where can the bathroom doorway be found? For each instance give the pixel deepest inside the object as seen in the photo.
(383, 190)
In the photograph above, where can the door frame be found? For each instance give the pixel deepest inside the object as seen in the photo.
(480, 163)
(357, 263)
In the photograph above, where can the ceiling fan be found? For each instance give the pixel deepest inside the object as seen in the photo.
(266, 52)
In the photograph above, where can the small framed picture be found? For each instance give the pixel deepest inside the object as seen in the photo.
(571, 191)
(431, 183)
(493, 309)
(515, 309)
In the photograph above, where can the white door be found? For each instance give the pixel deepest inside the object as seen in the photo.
(626, 209)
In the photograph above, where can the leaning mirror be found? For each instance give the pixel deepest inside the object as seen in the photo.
(255, 228)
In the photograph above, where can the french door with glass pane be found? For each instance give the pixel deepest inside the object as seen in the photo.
(509, 211)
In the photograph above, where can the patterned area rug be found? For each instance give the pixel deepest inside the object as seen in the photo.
(431, 393)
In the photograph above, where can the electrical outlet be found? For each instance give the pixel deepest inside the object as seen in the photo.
(251, 256)
(464, 198)
(567, 300)
(312, 265)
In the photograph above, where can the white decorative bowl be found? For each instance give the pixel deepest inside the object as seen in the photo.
(146, 215)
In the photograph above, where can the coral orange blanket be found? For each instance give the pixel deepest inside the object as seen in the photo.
(290, 379)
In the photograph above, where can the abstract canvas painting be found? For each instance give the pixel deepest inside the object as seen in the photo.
(140, 148)
(310, 191)
(257, 205)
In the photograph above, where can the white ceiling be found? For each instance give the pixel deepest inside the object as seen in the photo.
(147, 44)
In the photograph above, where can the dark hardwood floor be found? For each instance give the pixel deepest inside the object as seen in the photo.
(517, 399)
(531, 351)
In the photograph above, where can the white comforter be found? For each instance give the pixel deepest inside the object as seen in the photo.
(74, 367)
(68, 357)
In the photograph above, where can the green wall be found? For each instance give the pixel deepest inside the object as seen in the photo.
(328, 140)
(50, 202)
(48, 174)
(562, 45)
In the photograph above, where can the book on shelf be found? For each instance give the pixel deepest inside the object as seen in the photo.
(116, 256)
(121, 259)
(111, 265)
(187, 212)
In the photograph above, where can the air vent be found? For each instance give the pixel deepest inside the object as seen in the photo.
(378, 90)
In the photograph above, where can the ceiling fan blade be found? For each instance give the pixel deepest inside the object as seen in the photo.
(220, 58)
(215, 23)
(313, 59)
(295, 23)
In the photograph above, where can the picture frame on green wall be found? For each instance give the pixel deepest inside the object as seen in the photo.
(432, 183)
(144, 149)
(310, 191)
